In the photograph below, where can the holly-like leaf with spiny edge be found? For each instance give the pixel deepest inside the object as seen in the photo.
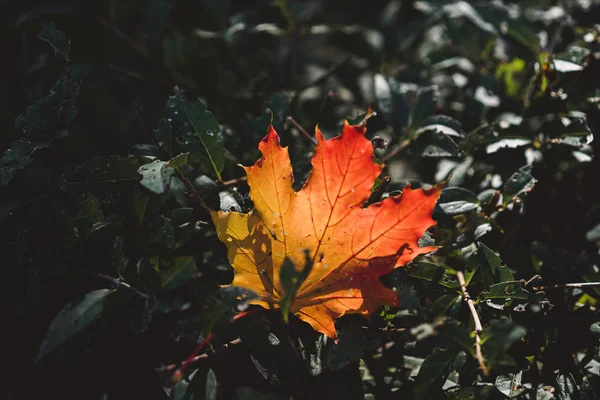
(350, 246)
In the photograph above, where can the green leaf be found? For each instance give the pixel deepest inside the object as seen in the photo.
(198, 131)
(73, 318)
(506, 290)
(107, 178)
(144, 150)
(348, 349)
(425, 106)
(491, 267)
(481, 391)
(434, 371)
(445, 304)
(179, 161)
(140, 203)
(498, 338)
(505, 22)
(433, 142)
(444, 124)
(510, 384)
(182, 270)
(458, 335)
(89, 214)
(220, 306)
(506, 143)
(566, 387)
(392, 103)
(211, 386)
(426, 271)
(456, 200)
(291, 279)
(56, 39)
(156, 176)
(16, 157)
(162, 232)
(520, 182)
(595, 328)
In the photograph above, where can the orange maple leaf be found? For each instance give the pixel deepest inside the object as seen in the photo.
(350, 246)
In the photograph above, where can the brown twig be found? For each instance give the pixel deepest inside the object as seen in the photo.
(567, 285)
(120, 283)
(171, 367)
(395, 150)
(302, 130)
(137, 76)
(478, 327)
(332, 70)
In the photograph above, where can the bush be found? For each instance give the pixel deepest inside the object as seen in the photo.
(130, 122)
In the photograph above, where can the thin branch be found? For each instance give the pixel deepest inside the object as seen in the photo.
(395, 150)
(302, 130)
(184, 83)
(155, 83)
(567, 285)
(171, 367)
(476, 320)
(332, 70)
(120, 283)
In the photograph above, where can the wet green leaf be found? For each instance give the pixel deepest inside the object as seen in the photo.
(433, 142)
(520, 182)
(456, 200)
(156, 176)
(195, 130)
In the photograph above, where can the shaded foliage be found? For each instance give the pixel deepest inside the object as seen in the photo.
(124, 121)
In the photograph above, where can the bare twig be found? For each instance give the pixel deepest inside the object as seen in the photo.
(137, 76)
(175, 79)
(302, 130)
(332, 70)
(476, 320)
(567, 285)
(171, 367)
(395, 150)
(120, 283)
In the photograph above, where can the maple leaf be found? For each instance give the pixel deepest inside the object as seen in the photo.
(349, 246)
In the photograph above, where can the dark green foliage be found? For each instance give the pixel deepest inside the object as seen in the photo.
(123, 121)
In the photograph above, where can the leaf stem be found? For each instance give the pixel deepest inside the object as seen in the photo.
(302, 130)
(478, 327)
(395, 150)
(332, 70)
